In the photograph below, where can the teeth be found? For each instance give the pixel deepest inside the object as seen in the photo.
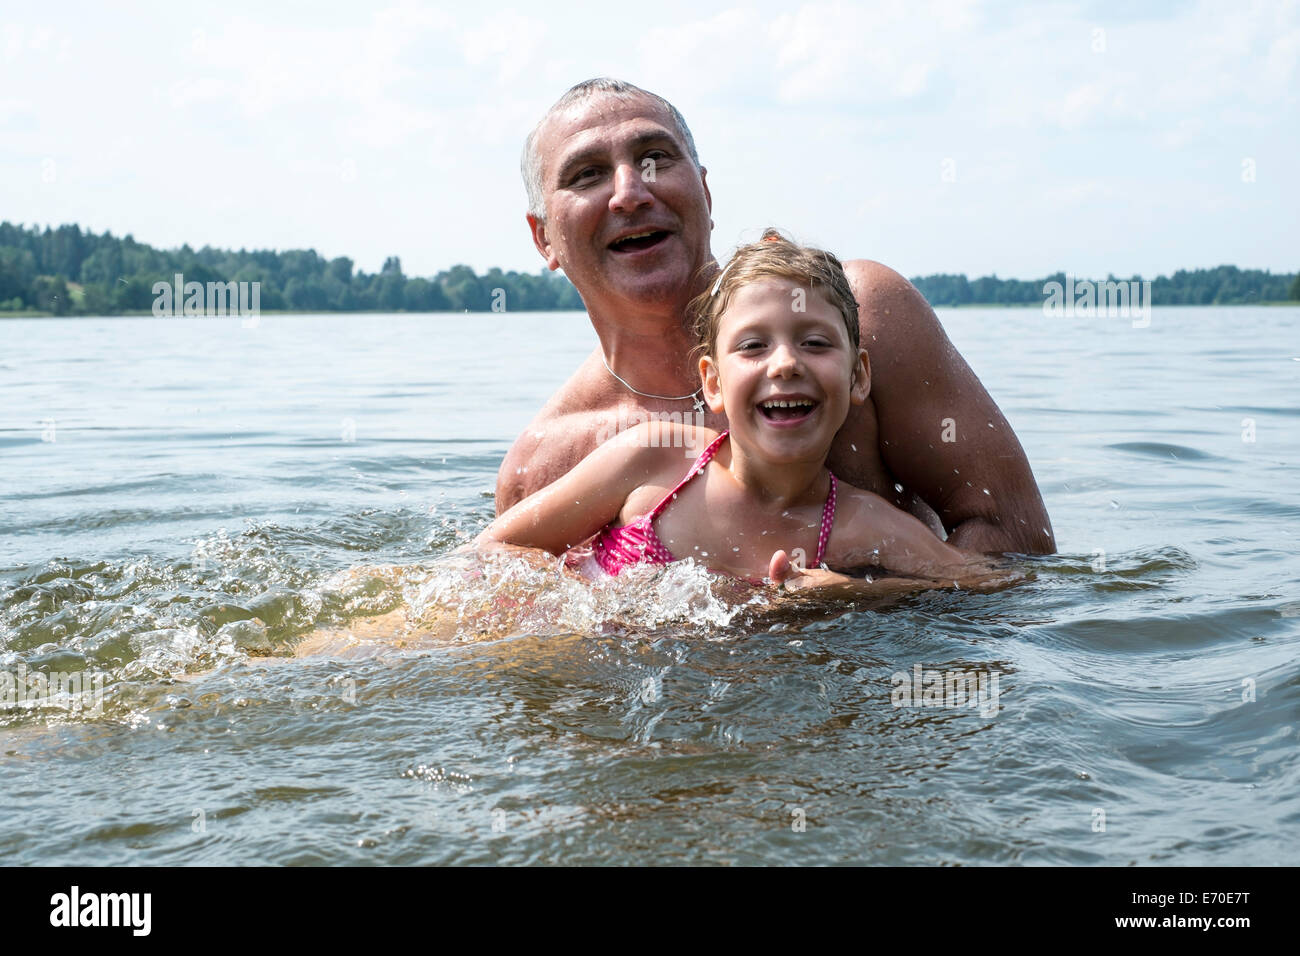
(797, 403)
(638, 235)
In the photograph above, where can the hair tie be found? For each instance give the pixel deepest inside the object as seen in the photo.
(775, 237)
(718, 285)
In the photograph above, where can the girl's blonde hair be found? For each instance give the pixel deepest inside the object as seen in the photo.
(772, 257)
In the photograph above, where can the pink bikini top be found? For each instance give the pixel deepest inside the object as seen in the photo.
(617, 547)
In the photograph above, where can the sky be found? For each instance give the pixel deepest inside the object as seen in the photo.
(931, 135)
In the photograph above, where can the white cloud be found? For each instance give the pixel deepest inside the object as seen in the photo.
(828, 118)
(841, 53)
(507, 40)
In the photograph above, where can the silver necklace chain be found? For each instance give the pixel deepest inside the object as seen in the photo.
(699, 405)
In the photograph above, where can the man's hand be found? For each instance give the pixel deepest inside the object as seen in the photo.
(784, 575)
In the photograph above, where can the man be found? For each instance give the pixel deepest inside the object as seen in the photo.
(618, 199)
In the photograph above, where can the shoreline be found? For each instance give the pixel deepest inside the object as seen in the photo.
(145, 313)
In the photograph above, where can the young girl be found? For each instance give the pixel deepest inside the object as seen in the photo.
(779, 355)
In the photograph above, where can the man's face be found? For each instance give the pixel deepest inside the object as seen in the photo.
(627, 209)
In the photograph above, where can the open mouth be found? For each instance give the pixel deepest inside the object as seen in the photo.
(638, 242)
(791, 410)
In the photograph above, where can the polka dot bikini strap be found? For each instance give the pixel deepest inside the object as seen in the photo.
(828, 519)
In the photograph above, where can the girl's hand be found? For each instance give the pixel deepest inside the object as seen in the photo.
(782, 573)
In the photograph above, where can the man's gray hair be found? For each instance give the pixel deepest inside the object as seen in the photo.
(531, 163)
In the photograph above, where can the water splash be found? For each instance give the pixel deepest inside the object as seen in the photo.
(471, 597)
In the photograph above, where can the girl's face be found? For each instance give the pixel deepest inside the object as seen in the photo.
(782, 371)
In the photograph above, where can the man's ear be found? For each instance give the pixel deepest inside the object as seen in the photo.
(861, 378)
(538, 229)
(708, 197)
(712, 385)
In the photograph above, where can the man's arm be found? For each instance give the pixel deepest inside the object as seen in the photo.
(979, 481)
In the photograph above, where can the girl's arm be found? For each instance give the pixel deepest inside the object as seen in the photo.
(876, 534)
(580, 503)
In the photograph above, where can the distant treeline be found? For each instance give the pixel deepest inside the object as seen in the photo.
(69, 272)
(1226, 285)
(66, 271)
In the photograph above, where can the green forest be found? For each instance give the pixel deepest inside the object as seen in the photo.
(1225, 285)
(66, 271)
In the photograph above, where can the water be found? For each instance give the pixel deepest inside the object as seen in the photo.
(181, 501)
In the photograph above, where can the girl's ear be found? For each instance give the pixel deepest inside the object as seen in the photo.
(861, 378)
(712, 384)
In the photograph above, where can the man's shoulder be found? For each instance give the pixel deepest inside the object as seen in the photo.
(869, 269)
(555, 435)
(560, 436)
(882, 291)
(898, 326)
(580, 393)
(544, 451)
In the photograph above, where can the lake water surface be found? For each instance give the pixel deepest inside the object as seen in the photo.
(179, 499)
